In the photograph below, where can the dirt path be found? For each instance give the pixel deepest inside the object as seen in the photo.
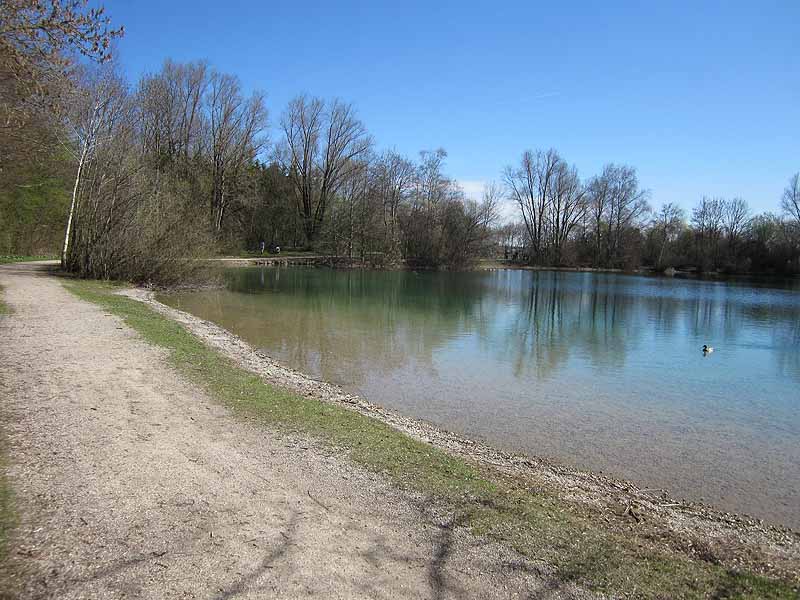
(130, 482)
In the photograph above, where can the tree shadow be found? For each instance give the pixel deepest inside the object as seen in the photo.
(442, 550)
(117, 567)
(241, 586)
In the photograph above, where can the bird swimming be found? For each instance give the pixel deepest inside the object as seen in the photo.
(707, 349)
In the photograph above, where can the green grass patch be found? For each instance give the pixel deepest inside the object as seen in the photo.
(12, 258)
(538, 524)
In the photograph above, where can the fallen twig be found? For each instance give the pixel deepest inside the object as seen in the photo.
(317, 501)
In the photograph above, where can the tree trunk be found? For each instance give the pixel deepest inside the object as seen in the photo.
(68, 231)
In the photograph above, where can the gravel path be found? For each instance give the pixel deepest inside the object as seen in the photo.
(130, 482)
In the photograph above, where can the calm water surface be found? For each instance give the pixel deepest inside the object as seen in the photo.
(598, 371)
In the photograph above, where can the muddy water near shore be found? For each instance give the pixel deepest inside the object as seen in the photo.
(599, 371)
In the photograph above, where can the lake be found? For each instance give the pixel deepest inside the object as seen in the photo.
(597, 371)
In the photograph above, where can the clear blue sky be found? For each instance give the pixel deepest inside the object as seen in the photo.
(701, 97)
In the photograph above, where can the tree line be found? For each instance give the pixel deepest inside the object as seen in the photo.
(135, 180)
(607, 222)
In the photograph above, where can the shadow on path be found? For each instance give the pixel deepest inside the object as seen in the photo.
(244, 583)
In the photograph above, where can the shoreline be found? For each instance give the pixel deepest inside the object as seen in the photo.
(346, 263)
(755, 493)
(582, 485)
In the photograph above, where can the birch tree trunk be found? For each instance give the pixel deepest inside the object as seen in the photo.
(67, 233)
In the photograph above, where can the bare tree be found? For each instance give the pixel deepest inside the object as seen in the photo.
(511, 236)
(707, 216)
(431, 186)
(668, 222)
(491, 198)
(529, 186)
(707, 219)
(736, 215)
(235, 127)
(790, 202)
(393, 181)
(94, 107)
(628, 205)
(321, 146)
(617, 206)
(432, 196)
(192, 116)
(599, 201)
(354, 194)
(474, 233)
(479, 221)
(567, 202)
(172, 104)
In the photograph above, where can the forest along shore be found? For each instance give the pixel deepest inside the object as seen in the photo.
(131, 472)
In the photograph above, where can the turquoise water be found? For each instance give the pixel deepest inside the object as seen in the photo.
(599, 371)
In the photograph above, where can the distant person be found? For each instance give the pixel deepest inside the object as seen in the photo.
(263, 245)
(277, 249)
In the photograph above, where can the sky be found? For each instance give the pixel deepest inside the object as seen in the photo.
(703, 98)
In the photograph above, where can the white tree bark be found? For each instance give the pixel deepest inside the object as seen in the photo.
(68, 232)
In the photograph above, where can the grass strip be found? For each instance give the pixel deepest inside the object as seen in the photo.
(13, 258)
(538, 524)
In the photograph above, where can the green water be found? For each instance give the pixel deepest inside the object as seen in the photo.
(598, 371)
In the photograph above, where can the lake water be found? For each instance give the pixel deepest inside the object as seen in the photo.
(598, 371)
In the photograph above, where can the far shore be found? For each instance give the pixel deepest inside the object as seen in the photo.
(488, 264)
